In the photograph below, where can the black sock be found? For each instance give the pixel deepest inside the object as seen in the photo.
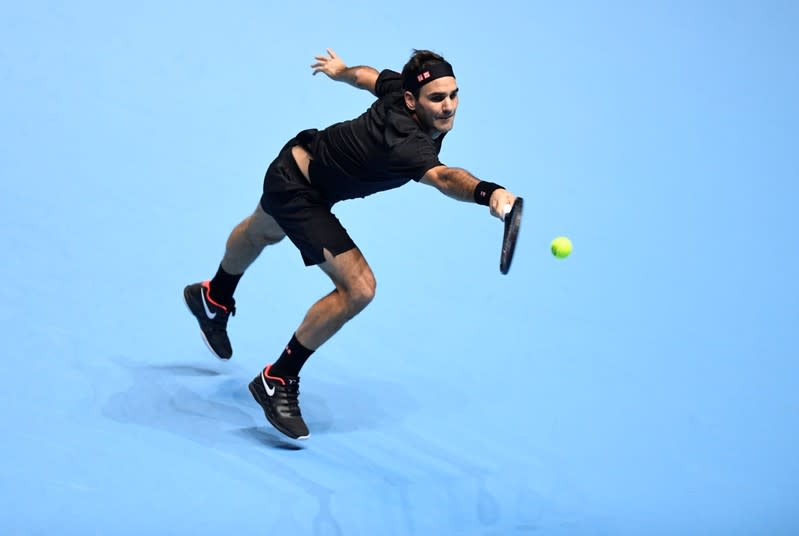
(291, 360)
(223, 285)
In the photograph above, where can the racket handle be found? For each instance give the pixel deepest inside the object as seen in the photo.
(508, 207)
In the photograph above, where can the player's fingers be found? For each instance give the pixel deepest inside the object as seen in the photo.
(332, 53)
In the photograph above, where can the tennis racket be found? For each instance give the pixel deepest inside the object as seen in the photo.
(513, 221)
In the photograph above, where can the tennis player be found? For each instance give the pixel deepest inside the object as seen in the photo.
(396, 141)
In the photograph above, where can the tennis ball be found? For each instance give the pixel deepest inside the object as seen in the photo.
(561, 247)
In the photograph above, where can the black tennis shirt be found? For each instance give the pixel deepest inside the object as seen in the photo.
(381, 149)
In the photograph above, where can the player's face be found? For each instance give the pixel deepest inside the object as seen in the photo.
(436, 105)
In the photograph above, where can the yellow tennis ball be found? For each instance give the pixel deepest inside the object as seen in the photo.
(561, 247)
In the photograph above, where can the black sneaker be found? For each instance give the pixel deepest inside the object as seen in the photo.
(278, 398)
(212, 317)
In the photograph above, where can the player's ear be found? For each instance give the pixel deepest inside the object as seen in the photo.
(410, 101)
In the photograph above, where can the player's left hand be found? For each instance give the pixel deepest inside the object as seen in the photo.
(331, 65)
(500, 199)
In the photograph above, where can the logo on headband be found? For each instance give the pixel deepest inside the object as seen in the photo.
(423, 76)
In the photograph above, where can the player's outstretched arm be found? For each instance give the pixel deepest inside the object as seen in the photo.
(362, 77)
(459, 184)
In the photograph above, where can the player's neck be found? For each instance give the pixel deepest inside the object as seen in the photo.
(433, 133)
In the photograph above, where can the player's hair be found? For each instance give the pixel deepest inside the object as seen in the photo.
(420, 59)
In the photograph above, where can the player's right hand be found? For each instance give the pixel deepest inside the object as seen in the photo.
(500, 200)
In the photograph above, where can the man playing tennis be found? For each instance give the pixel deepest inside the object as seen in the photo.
(396, 140)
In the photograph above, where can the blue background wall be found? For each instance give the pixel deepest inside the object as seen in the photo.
(645, 385)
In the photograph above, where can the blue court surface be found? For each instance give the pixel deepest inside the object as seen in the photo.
(648, 384)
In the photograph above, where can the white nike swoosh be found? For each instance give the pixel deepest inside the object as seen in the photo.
(270, 392)
(208, 312)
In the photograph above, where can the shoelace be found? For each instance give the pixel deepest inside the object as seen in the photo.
(289, 395)
(230, 310)
(220, 322)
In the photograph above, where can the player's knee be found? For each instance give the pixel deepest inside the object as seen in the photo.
(260, 239)
(259, 230)
(268, 239)
(362, 292)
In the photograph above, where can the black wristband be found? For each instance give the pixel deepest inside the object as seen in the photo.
(483, 191)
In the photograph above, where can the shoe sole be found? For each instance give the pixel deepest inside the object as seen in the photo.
(254, 393)
(205, 339)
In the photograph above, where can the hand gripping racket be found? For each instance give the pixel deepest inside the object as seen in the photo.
(513, 221)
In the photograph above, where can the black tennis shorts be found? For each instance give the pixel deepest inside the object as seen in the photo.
(301, 211)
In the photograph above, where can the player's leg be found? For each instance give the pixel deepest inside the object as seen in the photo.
(247, 240)
(276, 388)
(355, 288)
(211, 302)
(323, 241)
